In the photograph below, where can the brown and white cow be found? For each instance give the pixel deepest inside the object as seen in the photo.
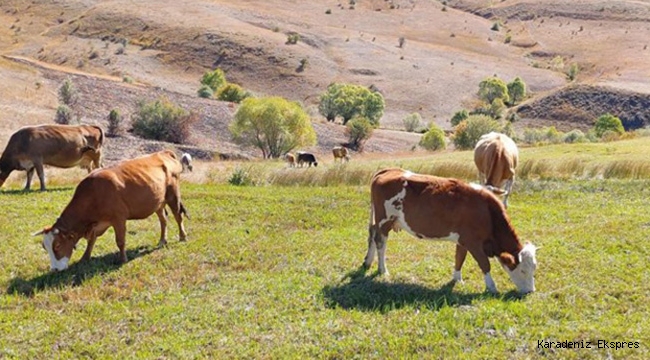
(131, 190)
(470, 216)
(186, 161)
(290, 159)
(496, 157)
(63, 146)
(341, 153)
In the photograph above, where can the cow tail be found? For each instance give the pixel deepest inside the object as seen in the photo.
(184, 211)
(489, 176)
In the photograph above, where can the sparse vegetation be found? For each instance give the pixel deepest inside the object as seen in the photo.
(493, 88)
(214, 79)
(573, 71)
(232, 92)
(162, 120)
(114, 123)
(205, 92)
(272, 124)
(400, 42)
(292, 38)
(458, 117)
(516, 91)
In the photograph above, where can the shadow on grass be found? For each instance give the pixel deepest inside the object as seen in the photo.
(21, 192)
(361, 292)
(74, 275)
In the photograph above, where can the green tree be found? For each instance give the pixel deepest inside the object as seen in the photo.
(434, 139)
(496, 108)
(608, 122)
(469, 131)
(493, 88)
(516, 90)
(359, 130)
(214, 79)
(68, 93)
(272, 124)
(348, 101)
(459, 116)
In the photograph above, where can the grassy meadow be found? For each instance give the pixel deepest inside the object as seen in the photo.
(273, 270)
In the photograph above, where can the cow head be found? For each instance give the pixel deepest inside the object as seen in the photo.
(523, 272)
(59, 246)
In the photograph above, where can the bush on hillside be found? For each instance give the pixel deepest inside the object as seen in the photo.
(68, 93)
(358, 131)
(214, 79)
(162, 120)
(114, 123)
(458, 117)
(412, 122)
(64, 115)
(434, 139)
(232, 93)
(608, 122)
(205, 92)
(468, 132)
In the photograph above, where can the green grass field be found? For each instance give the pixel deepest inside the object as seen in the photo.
(274, 272)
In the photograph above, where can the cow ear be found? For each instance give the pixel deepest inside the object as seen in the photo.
(508, 260)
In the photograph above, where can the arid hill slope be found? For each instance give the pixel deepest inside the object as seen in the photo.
(164, 46)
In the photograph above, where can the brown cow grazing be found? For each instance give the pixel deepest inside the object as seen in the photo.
(290, 159)
(63, 146)
(131, 190)
(341, 153)
(430, 207)
(496, 157)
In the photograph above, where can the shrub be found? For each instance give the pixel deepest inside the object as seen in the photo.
(114, 123)
(434, 139)
(497, 108)
(459, 116)
(214, 79)
(468, 132)
(516, 90)
(495, 27)
(546, 135)
(64, 115)
(232, 92)
(162, 120)
(348, 101)
(493, 88)
(68, 93)
(401, 41)
(240, 177)
(610, 135)
(412, 122)
(575, 136)
(608, 122)
(328, 11)
(205, 92)
(358, 131)
(292, 38)
(572, 73)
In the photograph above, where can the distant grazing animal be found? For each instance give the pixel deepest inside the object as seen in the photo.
(341, 153)
(186, 161)
(63, 146)
(496, 157)
(430, 207)
(304, 157)
(131, 190)
(290, 159)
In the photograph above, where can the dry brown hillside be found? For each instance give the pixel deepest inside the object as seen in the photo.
(164, 46)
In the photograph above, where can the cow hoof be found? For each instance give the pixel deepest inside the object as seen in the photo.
(161, 244)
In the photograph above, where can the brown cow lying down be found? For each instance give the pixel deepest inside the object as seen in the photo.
(132, 190)
(470, 216)
(63, 146)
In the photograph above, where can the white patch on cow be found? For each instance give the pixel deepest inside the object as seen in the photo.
(407, 174)
(489, 283)
(48, 242)
(26, 164)
(524, 274)
(476, 186)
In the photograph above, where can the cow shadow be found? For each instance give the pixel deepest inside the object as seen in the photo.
(76, 274)
(362, 292)
(21, 192)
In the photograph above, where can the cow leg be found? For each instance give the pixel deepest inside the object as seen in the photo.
(120, 238)
(89, 247)
(461, 253)
(174, 202)
(372, 247)
(38, 164)
(380, 243)
(484, 263)
(30, 175)
(162, 217)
